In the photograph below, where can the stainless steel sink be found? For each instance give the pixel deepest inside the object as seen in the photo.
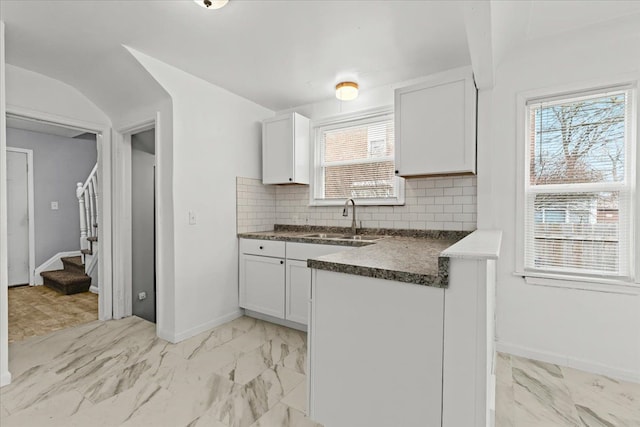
(325, 235)
(342, 236)
(365, 238)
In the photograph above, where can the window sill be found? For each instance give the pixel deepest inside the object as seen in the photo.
(614, 286)
(359, 202)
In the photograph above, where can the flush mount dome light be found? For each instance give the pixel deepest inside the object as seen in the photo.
(346, 91)
(211, 4)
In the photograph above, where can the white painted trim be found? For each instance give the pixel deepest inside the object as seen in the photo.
(593, 284)
(93, 262)
(94, 290)
(557, 359)
(30, 211)
(316, 129)
(5, 376)
(632, 80)
(52, 119)
(181, 336)
(5, 379)
(283, 322)
(122, 267)
(53, 263)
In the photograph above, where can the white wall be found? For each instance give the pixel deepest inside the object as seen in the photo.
(35, 92)
(216, 137)
(59, 163)
(5, 376)
(598, 331)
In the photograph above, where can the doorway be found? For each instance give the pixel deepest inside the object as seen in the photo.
(20, 232)
(143, 236)
(47, 242)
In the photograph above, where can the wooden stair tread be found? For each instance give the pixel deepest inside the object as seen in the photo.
(65, 277)
(86, 252)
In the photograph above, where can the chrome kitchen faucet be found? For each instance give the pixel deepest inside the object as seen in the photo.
(345, 212)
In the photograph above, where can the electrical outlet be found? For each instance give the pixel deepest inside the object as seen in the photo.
(54, 206)
(142, 295)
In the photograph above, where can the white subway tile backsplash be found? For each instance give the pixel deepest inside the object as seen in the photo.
(441, 203)
(255, 205)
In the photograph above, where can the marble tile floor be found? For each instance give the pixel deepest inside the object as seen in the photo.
(246, 373)
(38, 310)
(530, 393)
(118, 373)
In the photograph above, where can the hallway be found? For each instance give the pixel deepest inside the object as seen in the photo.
(38, 310)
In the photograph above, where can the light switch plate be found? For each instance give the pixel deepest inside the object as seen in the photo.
(54, 206)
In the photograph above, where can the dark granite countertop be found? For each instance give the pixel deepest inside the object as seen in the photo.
(410, 256)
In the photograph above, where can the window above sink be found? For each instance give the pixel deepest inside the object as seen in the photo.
(354, 159)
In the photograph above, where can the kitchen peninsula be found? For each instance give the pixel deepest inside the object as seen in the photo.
(410, 310)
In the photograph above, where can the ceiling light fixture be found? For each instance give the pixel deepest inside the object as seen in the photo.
(211, 4)
(346, 91)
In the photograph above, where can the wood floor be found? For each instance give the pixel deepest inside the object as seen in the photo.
(38, 310)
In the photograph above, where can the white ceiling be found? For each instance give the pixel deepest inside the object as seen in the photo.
(277, 53)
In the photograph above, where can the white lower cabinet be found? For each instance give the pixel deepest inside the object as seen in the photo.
(261, 288)
(276, 284)
(298, 291)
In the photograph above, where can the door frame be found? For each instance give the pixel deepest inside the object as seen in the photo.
(103, 141)
(122, 232)
(30, 211)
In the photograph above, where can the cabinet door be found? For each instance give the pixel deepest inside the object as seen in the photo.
(435, 125)
(298, 291)
(277, 150)
(262, 283)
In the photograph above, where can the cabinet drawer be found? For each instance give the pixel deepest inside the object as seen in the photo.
(304, 251)
(272, 248)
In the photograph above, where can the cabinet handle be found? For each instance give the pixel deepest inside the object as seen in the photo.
(281, 262)
(261, 247)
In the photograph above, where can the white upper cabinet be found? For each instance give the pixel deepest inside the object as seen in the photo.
(285, 149)
(435, 125)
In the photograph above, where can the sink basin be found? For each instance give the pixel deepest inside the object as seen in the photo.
(325, 235)
(365, 238)
(342, 236)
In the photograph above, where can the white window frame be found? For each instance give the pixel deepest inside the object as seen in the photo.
(337, 122)
(569, 280)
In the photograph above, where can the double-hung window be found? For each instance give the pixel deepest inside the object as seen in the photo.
(354, 159)
(579, 190)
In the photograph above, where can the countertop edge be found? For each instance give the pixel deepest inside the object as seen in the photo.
(379, 273)
(311, 240)
(481, 244)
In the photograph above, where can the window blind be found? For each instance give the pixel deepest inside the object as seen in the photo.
(578, 196)
(357, 160)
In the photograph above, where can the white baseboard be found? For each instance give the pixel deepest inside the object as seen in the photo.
(581, 364)
(91, 266)
(5, 379)
(181, 336)
(282, 322)
(53, 263)
(94, 290)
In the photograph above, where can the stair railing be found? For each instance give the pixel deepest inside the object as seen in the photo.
(87, 194)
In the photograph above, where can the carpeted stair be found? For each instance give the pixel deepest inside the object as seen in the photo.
(70, 280)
